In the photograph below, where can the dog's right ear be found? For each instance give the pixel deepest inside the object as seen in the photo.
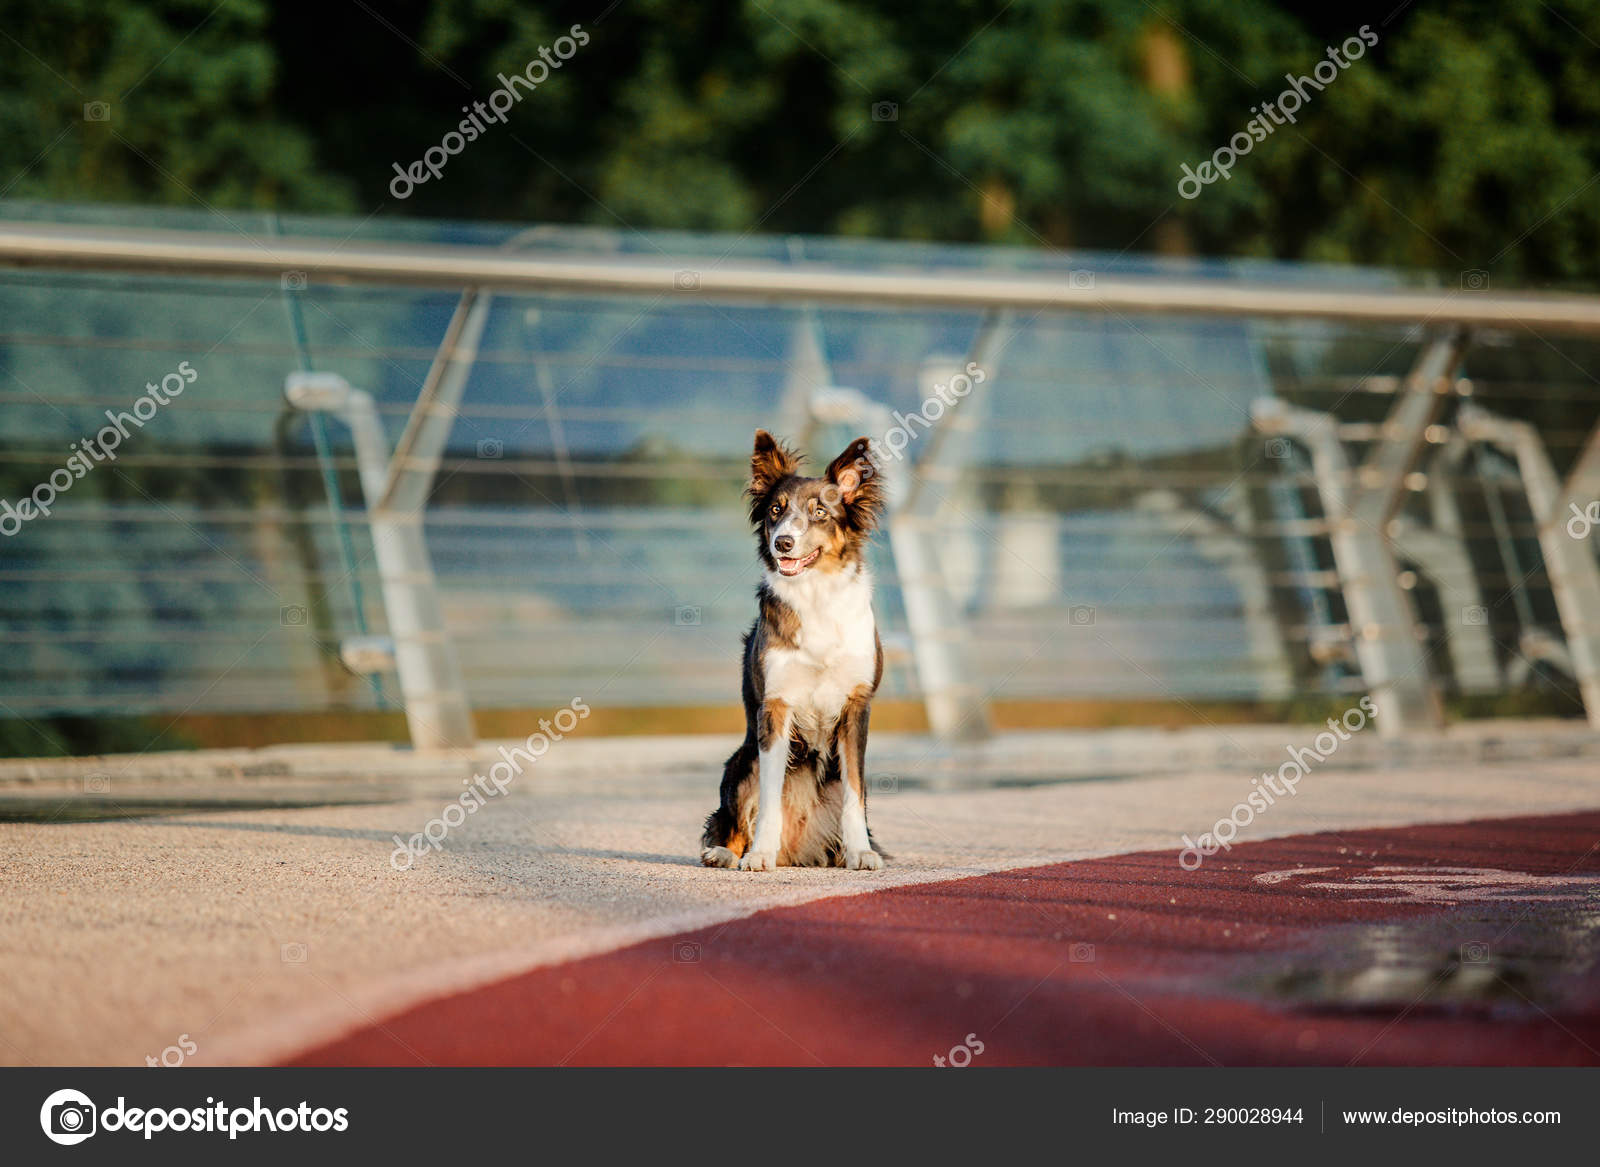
(770, 462)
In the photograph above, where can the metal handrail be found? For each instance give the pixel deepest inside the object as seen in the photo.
(194, 253)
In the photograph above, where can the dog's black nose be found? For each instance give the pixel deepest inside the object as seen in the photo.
(784, 543)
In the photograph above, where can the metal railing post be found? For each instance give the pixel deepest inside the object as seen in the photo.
(1569, 559)
(1359, 506)
(432, 687)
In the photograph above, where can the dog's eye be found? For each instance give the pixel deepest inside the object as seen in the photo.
(819, 511)
(777, 509)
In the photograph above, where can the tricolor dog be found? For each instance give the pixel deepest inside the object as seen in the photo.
(794, 794)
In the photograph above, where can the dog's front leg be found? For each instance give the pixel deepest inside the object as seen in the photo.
(772, 739)
(859, 854)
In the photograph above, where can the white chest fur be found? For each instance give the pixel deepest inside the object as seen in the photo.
(836, 649)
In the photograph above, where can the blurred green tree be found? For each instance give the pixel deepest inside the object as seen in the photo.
(1465, 139)
(164, 101)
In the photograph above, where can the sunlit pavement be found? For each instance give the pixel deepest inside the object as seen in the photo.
(1458, 944)
(264, 935)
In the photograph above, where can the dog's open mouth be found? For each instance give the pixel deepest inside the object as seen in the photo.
(796, 566)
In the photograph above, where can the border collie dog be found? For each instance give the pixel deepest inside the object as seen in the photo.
(794, 793)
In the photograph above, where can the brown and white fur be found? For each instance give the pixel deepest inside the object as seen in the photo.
(794, 793)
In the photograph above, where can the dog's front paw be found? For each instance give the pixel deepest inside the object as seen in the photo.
(719, 857)
(759, 861)
(863, 861)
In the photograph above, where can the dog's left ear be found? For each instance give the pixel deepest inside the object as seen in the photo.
(770, 460)
(853, 470)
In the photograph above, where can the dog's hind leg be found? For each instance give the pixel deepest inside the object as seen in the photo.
(727, 834)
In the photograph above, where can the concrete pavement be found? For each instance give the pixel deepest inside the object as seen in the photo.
(260, 933)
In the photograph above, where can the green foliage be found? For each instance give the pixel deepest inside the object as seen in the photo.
(1467, 138)
(163, 101)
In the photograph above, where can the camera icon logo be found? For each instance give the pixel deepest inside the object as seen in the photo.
(294, 953)
(1081, 953)
(686, 616)
(1475, 280)
(293, 281)
(97, 784)
(1080, 279)
(67, 1117)
(884, 784)
(686, 281)
(685, 952)
(1475, 615)
(1278, 449)
(885, 111)
(1081, 615)
(1475, 952)
(292, 615)
(491, 448)
(97, 111)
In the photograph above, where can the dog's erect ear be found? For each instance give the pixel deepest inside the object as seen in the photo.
(855, 475)
(769, 462)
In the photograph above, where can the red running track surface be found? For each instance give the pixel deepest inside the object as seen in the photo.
(1451, 944)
